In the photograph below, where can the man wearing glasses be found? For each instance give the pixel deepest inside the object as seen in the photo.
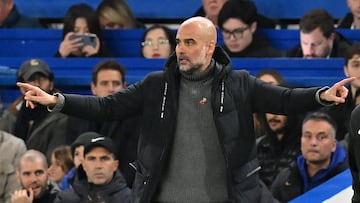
(238, 22)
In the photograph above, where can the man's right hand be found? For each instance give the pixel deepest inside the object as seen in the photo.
(36, 95)
(22, 196)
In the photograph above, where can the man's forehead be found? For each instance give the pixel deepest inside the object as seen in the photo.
(355, 58)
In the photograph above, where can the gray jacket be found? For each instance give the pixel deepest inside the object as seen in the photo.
(11, 149)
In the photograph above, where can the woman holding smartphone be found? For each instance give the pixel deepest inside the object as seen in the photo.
(81, 34)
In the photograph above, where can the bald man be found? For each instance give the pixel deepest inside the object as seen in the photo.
(32, 175)
(197, 141)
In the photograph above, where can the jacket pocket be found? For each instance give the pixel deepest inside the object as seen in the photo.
(140, 181)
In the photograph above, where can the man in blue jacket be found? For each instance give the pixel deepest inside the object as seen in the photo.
(322, 158)
(197, 140)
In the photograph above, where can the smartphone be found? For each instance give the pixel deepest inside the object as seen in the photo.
(87, 39)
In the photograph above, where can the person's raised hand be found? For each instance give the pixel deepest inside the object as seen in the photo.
(68, 46)
(338, 92)
(34, 95)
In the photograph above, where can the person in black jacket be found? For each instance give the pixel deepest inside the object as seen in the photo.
(32, 175)
(354, 152)
(352, 19)
(197, 140)
(108, 77)
(238, 23)
(322, 158)
(97, 178)
(318, 38)
(279, 146)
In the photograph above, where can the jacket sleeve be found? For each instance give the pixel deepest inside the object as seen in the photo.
(353, 152)
(270, 98)
(117, 106)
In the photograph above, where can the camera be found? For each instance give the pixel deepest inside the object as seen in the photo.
(86, 39)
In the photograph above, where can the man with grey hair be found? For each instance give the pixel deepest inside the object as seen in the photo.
(32, 175)
(322, 158)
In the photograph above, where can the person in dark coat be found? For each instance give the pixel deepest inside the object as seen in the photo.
(351, 19)
(354, 152)
(197, 140)
(97, 179)
(318, 38)
(238, 23)
(108, 77)
(341, 113)
(322, 158)
(10, 17)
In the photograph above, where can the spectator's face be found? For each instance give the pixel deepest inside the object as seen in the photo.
(352, 69)
(315, 44)
(237, 35)
(193, 49)
(33, 174)
(81, 26)
(156, 44)
(269, 79)
(99, 166)
(78, 155)
(107, 24)
(5, 8)
(354, 6)
(108, 82)
(317, 142)
(41, 82)
(55, 171)
(276, 123)
(212, 7)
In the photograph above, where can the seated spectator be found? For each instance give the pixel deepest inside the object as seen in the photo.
(81, 19)
(211, 9)
(318, 38)
(322, 158)
(352, 19)
(280, 145)
(116, 14)
(8, 117)
(40, 129)
(273, 77)
(238, 23)
(97, 178)
(61, 163)
(108, 77)
(341, 113)
(77, 152)
(158, 41)
(11, 148)
(32, 175)
(10, 17)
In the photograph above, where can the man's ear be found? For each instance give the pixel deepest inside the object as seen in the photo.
(253, 27)
(116, 164)
(93, 88)
(212, 46)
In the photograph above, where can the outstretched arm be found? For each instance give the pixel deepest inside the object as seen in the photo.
(35, 95)
(337, 93)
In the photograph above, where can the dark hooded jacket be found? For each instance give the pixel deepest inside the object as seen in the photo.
(235, 96)
(83, 192)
